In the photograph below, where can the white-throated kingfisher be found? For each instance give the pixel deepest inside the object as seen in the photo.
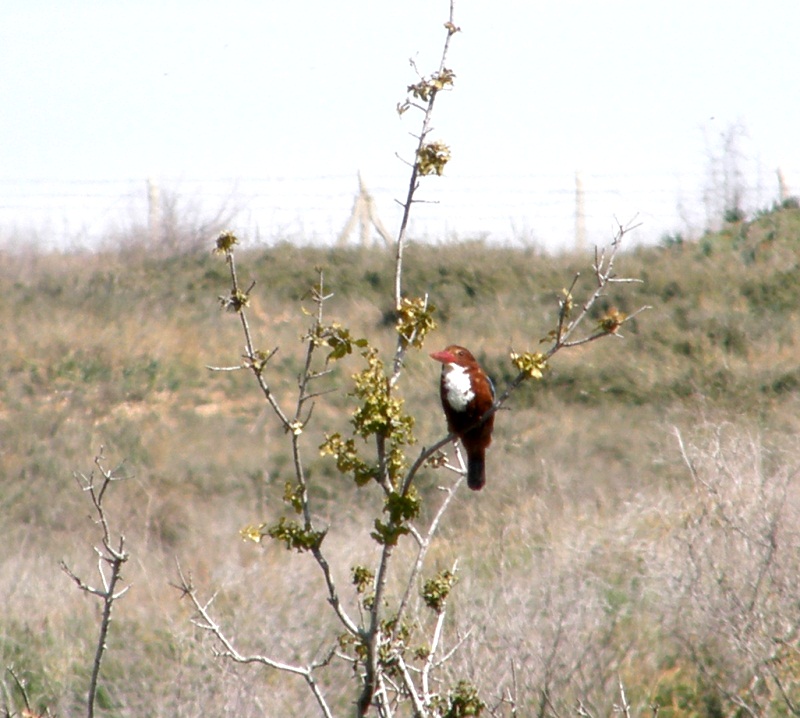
(467, 394)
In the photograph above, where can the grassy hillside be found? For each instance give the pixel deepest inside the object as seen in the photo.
(599, 550)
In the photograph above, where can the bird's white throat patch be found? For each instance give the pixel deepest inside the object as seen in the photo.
(457, 386)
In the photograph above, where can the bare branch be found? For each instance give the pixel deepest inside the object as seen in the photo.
(231, 652)
(429, 660)
(411, 688)
(413, 185)
(114, 557)
(424, 544)
(252, 358)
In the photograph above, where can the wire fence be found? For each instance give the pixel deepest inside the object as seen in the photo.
(552, 211)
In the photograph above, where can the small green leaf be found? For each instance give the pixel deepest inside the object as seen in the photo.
(402, 508)
(225, 242)
(338, 338)
(461, 702)
(612, 320)
(380, 412)
(347, 458)
(388, 534)
(437, 589)
(296, 427)
(566, 303)
(253, 532)
(293, 495)
(295, 536)
(427, 88)
(235, 301)
(362, 578)
(532, 364)
(415, 320)
(258, 361)
(432, 157)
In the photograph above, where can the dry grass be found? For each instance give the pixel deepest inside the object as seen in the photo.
(594, 554)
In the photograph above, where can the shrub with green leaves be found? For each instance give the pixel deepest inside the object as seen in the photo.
(397, 655)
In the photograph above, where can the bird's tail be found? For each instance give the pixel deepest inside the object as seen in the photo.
(476, 471)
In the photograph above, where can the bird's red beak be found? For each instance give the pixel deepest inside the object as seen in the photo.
(443, 356)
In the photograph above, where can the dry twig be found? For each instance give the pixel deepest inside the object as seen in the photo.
(110, 559)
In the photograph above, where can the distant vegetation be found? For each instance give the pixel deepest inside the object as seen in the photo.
(639, 527)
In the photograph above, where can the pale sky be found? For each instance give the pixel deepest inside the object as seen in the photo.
(274, 107)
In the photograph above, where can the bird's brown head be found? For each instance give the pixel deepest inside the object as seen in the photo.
(454, 354)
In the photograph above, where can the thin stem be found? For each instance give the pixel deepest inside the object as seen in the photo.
(333, 594)
(296, 423)
(429, 662)
(372, 637)
(408, 682)
(115, 557)
(424, 545)
(250, 352)
(209, 624)
(413, 185)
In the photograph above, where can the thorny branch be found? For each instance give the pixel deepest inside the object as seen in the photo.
(374, 633)
(23, 691)
(207, 623)
(430, 661)
(253, 359)
(256, 361)
(413, 184)
(424, 543)
(294, 424)
(113, 555)
(304, 379)
(603, 269)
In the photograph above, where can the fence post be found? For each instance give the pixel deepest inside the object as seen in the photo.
(154, 225)
(580, 214)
